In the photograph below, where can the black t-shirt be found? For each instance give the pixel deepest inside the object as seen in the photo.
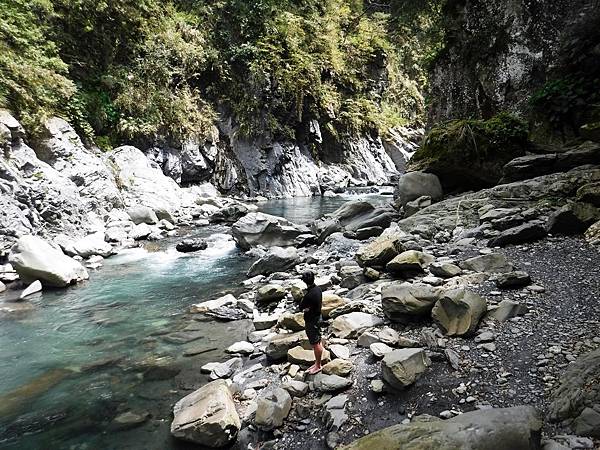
(312, 300)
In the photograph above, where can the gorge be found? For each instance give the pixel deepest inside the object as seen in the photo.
(169, 170)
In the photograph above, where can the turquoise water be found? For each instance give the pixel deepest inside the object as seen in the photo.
(84, 355)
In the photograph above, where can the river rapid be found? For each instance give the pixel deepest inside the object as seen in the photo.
(82, 356)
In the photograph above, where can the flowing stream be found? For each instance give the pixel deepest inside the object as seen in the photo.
(81, 356)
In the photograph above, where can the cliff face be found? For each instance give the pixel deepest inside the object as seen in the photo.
(273, 168)
(499, 53)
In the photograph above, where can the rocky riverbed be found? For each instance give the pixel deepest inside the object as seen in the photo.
(444, 314)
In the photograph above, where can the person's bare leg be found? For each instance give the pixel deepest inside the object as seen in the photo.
(318, 351)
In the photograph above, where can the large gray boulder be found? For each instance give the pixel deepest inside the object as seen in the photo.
(573, 218)
(577, 399)
(413, 185)
(263, 229)
(491, 263)
(410, 261)
(401, 368)
(34, 259)
(277, 259)
(530, 166)
(142, 214)
(93, 244)
(516, 428)
(403, 302)
(349, 326)
(279, 345)
(273, 409)
(207, 416)
(379, 252)
(459, 311)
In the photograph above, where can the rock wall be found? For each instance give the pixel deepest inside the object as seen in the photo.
(498, 53)
(57, 186)
(260, 166)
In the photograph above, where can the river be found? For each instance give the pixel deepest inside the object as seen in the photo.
(84, 355)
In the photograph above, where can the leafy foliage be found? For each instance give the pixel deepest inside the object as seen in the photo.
(32, 76)
(145, 69)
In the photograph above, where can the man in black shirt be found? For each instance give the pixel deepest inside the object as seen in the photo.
(311, 306)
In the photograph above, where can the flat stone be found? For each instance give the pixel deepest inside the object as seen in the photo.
(330, 383)
(348, 326)
(303, 357)
(338, 366)
(242, 347)
(296, 388)
(379, 349)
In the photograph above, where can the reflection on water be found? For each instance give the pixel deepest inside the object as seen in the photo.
(116, 343)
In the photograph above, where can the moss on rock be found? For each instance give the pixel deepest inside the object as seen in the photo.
(471, 153)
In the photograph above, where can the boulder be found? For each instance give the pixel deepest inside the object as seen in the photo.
(142, 214)
(459, 311)
(33, 288)
(516, 428)
(191, 245)
(303, 357)
(338, 366)
(242, 347)
(35, 259)
(379, 252)
(296, 388)
(266, 230)
(349, 326)
(331, 302)
(413, 185)
(491, 263)
(506, 309)
(589, 193)
(291, 321)
(278, 345)
(273, 409)
(528, 232)
(207, 416)
(592, 235)
(270, 293)
(444, 270)
(573, 218)
(401, 368)
(417, 205)
(403, 302)
(230, 213)
(226, 300)
(140, 232)
(531, 166)
(277, 259)
(513, 280)
(578, 392)
(379, 349)
(410, 261)
(93, 244)
(339, 351)
(331, 383)
(352, 277)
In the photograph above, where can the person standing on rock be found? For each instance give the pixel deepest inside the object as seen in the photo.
(311, 306)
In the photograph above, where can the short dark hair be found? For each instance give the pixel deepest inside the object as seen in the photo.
(308, 277)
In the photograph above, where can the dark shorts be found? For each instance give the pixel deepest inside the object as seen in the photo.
(313, 329)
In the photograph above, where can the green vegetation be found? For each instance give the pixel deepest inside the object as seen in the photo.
(475, 149)
(133, 70)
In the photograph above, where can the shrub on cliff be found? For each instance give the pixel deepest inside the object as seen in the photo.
(471, 153)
